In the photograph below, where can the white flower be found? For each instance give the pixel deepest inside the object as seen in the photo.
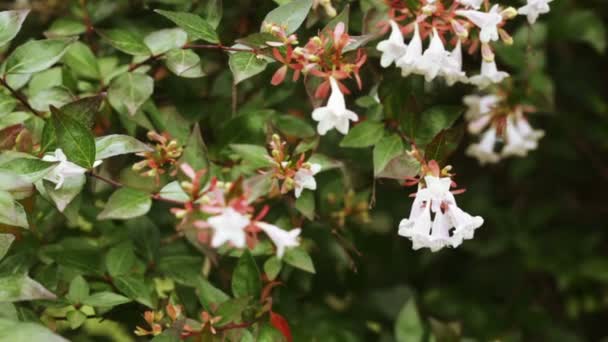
(450, 225)
(304, 178)
(521, 138)
(433, 58)
(334, 115)
(486, 21)
(393, 47)
(479, 105)
(489, 75)
(280, 237)
(471, 3)
(452, 66)
(65, 169)
(534, 8)
(228, 226)
(410, 59)
(484, 150)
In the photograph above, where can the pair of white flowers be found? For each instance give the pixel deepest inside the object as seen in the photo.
(435, 220)
(519, 137)
(229, 226)
(436, 60)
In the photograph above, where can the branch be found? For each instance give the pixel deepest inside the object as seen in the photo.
(19, 97)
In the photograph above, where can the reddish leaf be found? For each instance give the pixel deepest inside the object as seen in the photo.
(281, 324)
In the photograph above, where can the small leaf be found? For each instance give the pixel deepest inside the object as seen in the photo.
(134, 287)
(125, 41)
(36, 55)
(105, 299)
(257, 156)
(164, 40)
(62, 197)
(408, 327)
(74, 139)
(291, 15)
(31, 169)
(65, 27)
(272, 267)
(55, 96)
(83, 110)
(5, 243)
(129, 91)
(82, 61)
(11, 211)
(174, 191)
(246, 277)
(20, 287)
(444, 144)
(120, 259)
(126, 203)
(400, 167)
(195, 152)
(12, 331)
(213, 12)
(76, 318)
(208, 295)
(385, 150)
(306, 204)
(293, 126)
(245, 65)
(364, 134)
(10, 24)
(184, 63)
(79, 290)
(299, 258)
(433, 120)
(196, 26)
(117, 144)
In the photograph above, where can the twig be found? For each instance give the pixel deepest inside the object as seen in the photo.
(19, 97)
(117, 184)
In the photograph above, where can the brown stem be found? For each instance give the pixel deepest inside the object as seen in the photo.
(17, 95)
(117, 184)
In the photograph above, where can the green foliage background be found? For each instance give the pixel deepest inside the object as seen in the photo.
(536, 271)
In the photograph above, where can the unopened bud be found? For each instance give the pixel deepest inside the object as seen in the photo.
(139, 165)
(509, 13)
(288, 184)
(459, 29)
(505, 37)
(275, 153)
(316, 40)
(186, 185)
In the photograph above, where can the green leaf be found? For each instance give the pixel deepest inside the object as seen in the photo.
(291, 15)
(6, 240)
(272, 267)
(257, 156)
(174, 191)
(245, 65)
(125, 41)
(184, 63)
(55, 96)
(65, 27)
(400, 167)
(195, 152)
(306, 204)
(11, 211)
(117, 144)
(433, 120)
(129, 91)
(444, 144)
(582, 25)
(246, 277)
(231, 310)
(385, 150)
(72, 186)
(7, 104)
(213, 12)
(408, 326)
(134, 287)
(76, 318)
(10, 24)
(268, 333)
(83, 110)
(74, 139)
(209, 295)
(11, 331)
(340, 18)
(293, 126)
(164, 40)
(105, 299)
(120, 259)
(79, 290)
(196, 26)
(31, 169)
(20, 287)
(126, 203)
(36, 55)
(299, 258)
(365, 134)
(145, 235)
(82, 61)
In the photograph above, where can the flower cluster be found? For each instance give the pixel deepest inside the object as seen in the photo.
(324, 56)
(435, 219)
(165, 155)
(223, 214)
(496, 121)
(450, 22)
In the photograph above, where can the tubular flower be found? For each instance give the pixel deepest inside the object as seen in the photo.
(452, 68)
(393, 47)
(534, 8)
(433, 58)
(281, 238)
(228, 226)
(484, 150)
(489, 75)
(521, 138)
(475, 4)
(65, 169)
(334, 115)
(304, 178)
(412, 55)
(486, 21)
(449, 226)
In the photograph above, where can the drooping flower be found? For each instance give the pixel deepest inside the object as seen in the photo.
(534, 8)
(479, 105)
(433, 59)
(229, 226)
(486, 21)
(489, 75)
(304, 178)
(452, 66)
(393, 47)
(520, 137)
(281, 238)
(450, 225)
(334, 115)
(409, 60)
(475, 4)
(65, 168)
(484, 150)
